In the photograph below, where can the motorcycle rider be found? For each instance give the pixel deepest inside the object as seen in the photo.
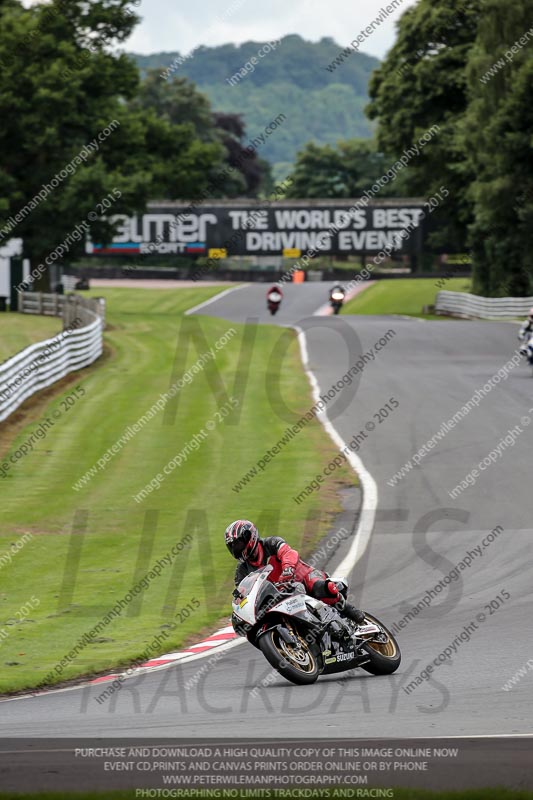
(336, 298)
(526, 332)
(275, 290)
(337, 289)
(244, 543)
(274, 298)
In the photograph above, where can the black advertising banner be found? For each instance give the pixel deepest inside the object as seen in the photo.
(269, 768)
(270, 229)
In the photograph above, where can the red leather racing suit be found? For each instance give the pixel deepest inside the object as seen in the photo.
(275, 551)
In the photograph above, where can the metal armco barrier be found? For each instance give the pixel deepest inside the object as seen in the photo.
(42, 364)
(470, 305)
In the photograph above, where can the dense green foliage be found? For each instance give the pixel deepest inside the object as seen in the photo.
(344, 171)
(321, 106)
(302, 63)
(422, 83)
(452, 66)
(178, 101)
(65, 92)
(497, 135)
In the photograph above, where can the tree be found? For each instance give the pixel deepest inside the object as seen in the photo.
(326, 102)
(497, 135)
(343, 172)
(255, 172)
(421, 83)
(178, 101)
(66, 125)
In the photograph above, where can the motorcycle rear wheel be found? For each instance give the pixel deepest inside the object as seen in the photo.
(385, 657)
(297, 664)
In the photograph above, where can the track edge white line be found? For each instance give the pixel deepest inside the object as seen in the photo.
(369, 487)
(215, 297)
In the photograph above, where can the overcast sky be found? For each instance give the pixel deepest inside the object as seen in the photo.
(185, 24)
(164, 26)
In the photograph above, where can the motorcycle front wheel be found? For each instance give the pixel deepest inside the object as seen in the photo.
(384, 652)
(297, 664)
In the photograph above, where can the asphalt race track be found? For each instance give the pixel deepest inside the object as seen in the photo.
(430, 369)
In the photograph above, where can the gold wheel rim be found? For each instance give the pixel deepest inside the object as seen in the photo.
(387, 648)
(301, 658)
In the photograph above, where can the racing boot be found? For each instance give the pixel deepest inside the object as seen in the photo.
(347, 610)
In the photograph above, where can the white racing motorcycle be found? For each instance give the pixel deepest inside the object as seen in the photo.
(302, 637)
(526, 348)
(336, 300)
(273, 302)
(527, 351)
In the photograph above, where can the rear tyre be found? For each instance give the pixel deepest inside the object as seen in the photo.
(297, 664)
(385, 656)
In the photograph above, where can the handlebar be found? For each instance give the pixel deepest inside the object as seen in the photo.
(290, 587)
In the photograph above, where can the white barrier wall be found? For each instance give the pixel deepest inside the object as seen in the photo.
(42, 364)
(471, 305)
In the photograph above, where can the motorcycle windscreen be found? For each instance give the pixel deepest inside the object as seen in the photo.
(248, 583)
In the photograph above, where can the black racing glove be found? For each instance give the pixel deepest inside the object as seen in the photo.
(287, 575)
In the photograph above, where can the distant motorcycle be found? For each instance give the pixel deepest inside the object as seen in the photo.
(526, 348)
(274, 298)
(336, 299)
(529, 353)
(302, 637)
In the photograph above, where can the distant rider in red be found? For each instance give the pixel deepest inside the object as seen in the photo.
(274, 290)
(244, 543)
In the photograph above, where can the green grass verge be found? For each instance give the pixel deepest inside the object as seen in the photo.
(402, 296)
(17, 331)
(89, 547)
(399, 794)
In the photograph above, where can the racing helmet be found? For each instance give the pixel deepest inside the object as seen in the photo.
(241, 539)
